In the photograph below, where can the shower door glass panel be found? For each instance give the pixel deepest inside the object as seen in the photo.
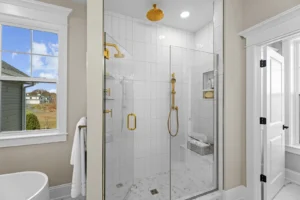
(119, 123)
(194, 149)
(138, 155)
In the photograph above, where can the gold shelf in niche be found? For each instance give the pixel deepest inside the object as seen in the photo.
(208, 94)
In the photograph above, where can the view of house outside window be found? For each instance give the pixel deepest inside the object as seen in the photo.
(29, 91)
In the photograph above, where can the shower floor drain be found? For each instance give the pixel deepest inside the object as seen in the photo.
(154, 192)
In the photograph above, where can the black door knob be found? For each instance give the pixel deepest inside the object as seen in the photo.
(284, 127)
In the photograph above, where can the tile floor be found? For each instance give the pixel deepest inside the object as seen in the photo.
(191, 177)
(290, 191)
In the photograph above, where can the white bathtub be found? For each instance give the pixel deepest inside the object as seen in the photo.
(24, 186)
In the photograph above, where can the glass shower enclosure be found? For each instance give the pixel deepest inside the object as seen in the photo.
(160, 138)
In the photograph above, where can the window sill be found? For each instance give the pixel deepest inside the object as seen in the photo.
(295, 149)
(31, 139)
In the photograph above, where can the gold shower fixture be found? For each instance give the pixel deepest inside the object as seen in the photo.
(173, 107)
(155, 14)
(117, 55)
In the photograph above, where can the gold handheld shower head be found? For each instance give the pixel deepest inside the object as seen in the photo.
(155, 14)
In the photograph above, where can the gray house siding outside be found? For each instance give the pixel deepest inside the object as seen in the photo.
(11, 106)
(12, 100)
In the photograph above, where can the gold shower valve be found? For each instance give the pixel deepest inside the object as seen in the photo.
(106, 54)
(107, 91)
(108, 111)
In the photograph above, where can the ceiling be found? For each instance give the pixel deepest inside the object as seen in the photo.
(201, 11)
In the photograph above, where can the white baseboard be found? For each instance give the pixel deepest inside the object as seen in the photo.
(62, 192)
(238, 193)
(292, 176)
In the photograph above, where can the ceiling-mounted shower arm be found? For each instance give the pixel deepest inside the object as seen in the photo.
(117, 55)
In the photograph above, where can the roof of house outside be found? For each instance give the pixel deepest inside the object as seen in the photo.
(8, 70)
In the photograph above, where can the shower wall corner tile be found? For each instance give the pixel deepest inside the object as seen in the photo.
(218, 13)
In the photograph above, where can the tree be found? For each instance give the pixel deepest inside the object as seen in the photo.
(32, 122)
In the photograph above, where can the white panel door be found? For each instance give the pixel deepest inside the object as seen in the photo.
(273, 134)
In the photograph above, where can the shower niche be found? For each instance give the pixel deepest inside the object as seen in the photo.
(208, 85)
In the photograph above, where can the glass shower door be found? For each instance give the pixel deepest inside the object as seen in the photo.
(120, 122)
(194, 158)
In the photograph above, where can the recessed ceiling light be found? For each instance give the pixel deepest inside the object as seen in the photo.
(185, 14)
(161, 37)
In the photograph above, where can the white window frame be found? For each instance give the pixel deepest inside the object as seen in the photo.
(36, 15)
(291, 52)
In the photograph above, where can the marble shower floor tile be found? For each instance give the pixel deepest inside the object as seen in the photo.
(188, 179)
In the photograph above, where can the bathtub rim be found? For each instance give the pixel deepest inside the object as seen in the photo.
(32, 172)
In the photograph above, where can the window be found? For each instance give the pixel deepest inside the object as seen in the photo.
(30, 68)
(33, 73)
(292, 101)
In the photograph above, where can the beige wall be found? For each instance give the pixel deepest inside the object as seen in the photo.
(239, 15)
(234, 96)
(54, 159)
(95, 75)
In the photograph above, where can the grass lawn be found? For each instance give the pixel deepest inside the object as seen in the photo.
(46, 114)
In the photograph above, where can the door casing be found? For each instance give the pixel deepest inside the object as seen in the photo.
(283, 26)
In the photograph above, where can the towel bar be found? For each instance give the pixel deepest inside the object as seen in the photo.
(80, 127)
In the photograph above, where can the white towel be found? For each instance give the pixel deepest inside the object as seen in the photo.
(78, 161)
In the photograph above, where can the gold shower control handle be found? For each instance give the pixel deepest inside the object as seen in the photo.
(107, 91)
(128, 121)
(108, 111)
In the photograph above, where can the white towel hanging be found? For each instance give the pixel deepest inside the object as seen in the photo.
(78, 161)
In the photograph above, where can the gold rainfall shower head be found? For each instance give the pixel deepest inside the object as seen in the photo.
(155, 14)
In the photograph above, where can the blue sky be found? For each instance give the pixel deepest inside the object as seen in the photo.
(18, 40)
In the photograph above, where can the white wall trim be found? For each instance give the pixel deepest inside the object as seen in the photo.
(32, 9)
(294, 149)
(292, 176)
(238, 193)
(7, 140)
(60, 191)
(282, 26)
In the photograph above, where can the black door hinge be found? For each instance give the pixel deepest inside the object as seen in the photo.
(263, 63)
(263, 120)
(263, 178)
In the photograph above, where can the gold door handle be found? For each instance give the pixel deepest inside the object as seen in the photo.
(107, 91)
(108, 111)
(128, 121)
